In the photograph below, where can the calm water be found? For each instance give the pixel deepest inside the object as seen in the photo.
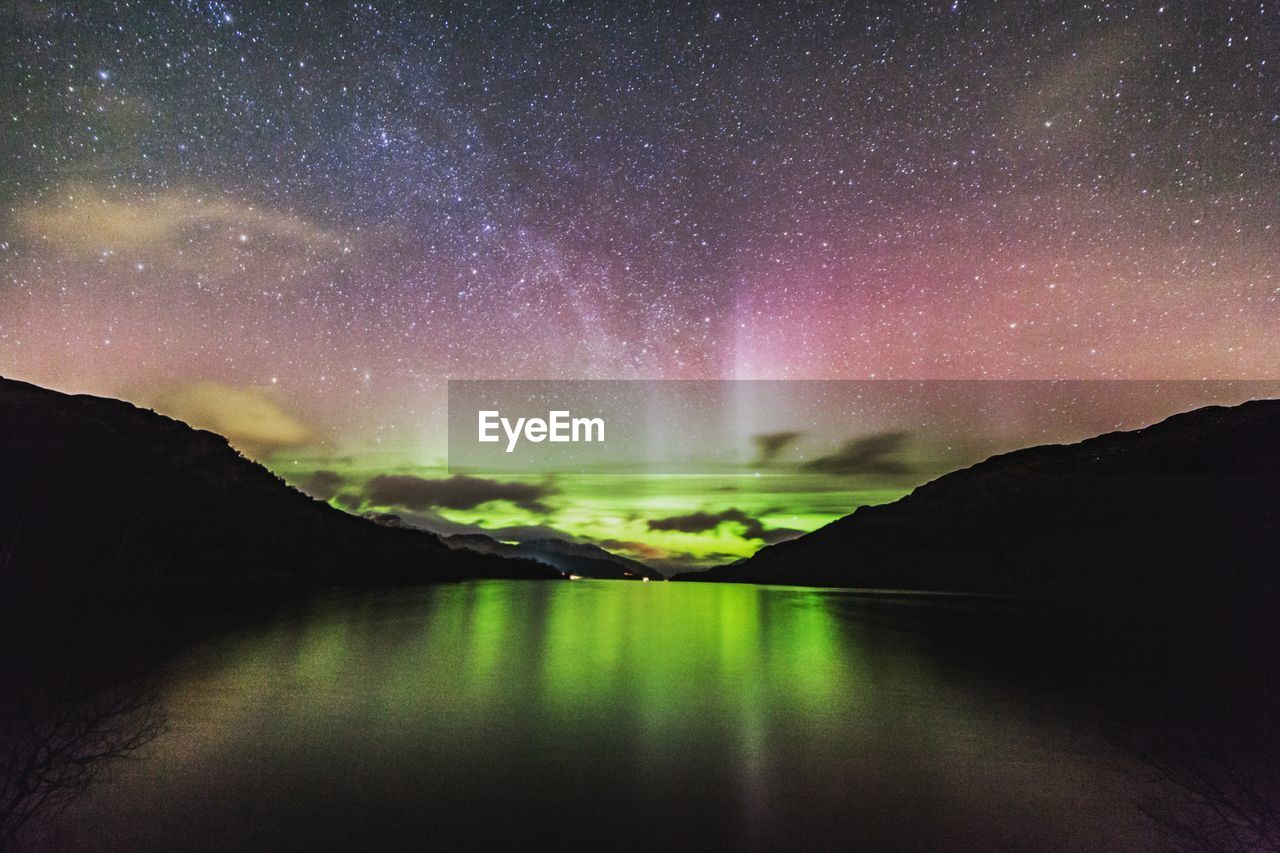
(604, 713)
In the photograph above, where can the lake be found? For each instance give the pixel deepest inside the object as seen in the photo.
(591, 713)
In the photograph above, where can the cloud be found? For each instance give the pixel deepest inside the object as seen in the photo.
(1065, 82)
(174, 227)
(442, 526)
(322, 485)
(456, 492)
(639, 550)
(870, 454)
(434, 522)
(683, 561)
(703, 522)
(249, 418)
(770, 444)
(350, 501)
(774, 535)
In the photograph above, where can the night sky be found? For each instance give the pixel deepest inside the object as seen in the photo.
(293, 223)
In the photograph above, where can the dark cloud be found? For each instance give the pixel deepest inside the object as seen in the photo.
(774, 535)
(679, 561)
(770, 444)
(868, 454)
(433, 522)
(456, 492)
(518, 532)
(321, 485)
(349, 501)
(675, 562)
(442, 526)
(387, 519)
(640, 550)
(702, 522)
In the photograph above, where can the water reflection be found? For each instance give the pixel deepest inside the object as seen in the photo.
(1209, 774)
(82, 689)
(54, 746)
(643, 715)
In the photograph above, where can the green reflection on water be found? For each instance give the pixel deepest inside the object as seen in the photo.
(774, 713)
(658, 660)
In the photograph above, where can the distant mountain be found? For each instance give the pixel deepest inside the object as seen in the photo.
(98, 488)
(574, 558)
(1187, 507)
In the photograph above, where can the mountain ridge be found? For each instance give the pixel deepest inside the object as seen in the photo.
(1116, 515)
(96, 488)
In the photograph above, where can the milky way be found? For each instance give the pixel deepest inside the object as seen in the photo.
(331, 208)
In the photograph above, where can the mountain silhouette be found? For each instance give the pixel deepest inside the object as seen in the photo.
(95, 488)
(1184, 508)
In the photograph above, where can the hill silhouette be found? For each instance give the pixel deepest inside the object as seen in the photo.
(1185, 508)
(95, 488)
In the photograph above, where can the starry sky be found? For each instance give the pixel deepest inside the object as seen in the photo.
(293, 223)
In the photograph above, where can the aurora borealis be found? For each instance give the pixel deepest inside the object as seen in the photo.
(292, 224)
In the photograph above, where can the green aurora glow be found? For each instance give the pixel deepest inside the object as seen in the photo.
(615, 510)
